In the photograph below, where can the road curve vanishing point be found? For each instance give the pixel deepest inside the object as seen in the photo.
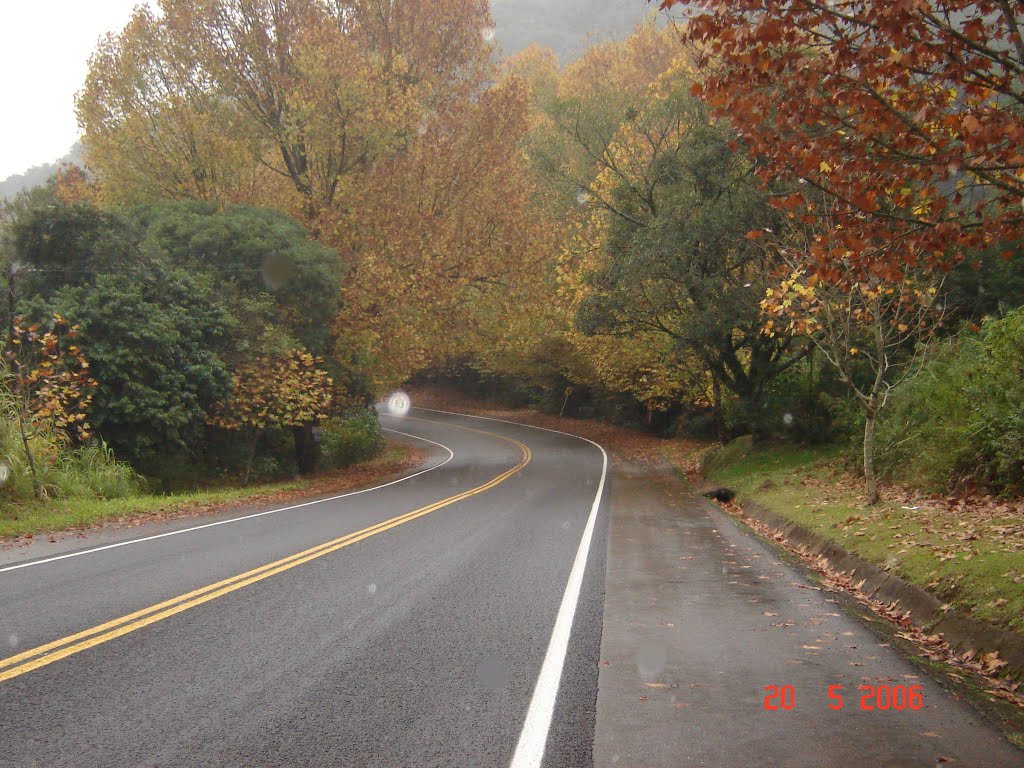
(467, 638)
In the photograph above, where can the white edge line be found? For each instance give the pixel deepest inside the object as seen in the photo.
(534, 736)
(451, 455)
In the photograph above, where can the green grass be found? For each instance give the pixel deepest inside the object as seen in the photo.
(961, 556)
(38, 516)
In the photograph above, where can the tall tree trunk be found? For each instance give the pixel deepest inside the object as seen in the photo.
(307, 452)
(249, 461)
(716, 410)
(870, 480)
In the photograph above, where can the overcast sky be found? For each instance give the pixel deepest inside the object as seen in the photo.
(44, 47)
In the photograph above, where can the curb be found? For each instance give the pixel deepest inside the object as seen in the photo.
(963, 632)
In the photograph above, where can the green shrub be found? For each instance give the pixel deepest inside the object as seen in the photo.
(961, 421)
(346, 440)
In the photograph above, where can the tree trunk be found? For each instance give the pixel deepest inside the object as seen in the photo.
(716, 410)
(249, 461)
(36, 490)
(307, 451)
(870, 480)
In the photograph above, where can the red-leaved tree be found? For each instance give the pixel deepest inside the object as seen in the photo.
(909, 114)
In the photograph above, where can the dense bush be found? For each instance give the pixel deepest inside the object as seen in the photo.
(351, 438)
(171, 298)
(961, 421)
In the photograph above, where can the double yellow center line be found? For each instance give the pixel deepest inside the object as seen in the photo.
(42, 655)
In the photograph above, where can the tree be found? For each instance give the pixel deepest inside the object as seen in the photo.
(50, 384)
(906, 115)
(380, 125)
(170, 297)
(285, 392)
(664, 253)
(451, 225)
(256, 256)
(868, 328)
(274, 100)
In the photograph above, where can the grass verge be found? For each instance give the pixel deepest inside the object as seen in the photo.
(968, 552)
(31, 519)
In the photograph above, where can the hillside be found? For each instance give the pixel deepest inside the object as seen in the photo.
(37, 174)
(566, 27)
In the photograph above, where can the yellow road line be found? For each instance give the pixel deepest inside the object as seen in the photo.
(48, 653)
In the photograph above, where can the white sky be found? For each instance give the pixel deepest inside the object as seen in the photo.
(44, 49)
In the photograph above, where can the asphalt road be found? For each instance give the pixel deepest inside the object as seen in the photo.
(462, 616)
(441, 638)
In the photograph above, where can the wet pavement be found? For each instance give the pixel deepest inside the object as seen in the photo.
(700, 617)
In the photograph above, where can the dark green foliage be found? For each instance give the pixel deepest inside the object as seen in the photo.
(988, 285)
(254, 252)
(678, 262)
(350, 438)
(69, 244)
(961, 421)
(170, 297)
(154, 339)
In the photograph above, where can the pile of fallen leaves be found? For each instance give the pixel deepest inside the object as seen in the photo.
(950, 527)
(986, 666)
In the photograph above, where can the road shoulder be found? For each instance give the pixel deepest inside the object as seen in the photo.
(700, 616)
(179, 516)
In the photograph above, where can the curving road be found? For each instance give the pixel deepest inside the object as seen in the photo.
(450, 618)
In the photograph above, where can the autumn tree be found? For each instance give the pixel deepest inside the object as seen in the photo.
(48, 379)
(664, 258)
(869, 330)
(288, 392)
(906, 115)
(154, 127)
(429, 262)
(379, 124)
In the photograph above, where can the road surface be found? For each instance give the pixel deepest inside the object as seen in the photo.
(456, 617)
(421, 644)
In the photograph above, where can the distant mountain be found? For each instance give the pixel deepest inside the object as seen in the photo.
(37, 174)
(566, 26)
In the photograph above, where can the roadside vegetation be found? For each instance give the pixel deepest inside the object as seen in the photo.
(783, 224)
(970, 554)
(86, 508)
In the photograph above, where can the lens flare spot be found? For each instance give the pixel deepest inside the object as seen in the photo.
(399, 404)
(492, 673)
(277, 271)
